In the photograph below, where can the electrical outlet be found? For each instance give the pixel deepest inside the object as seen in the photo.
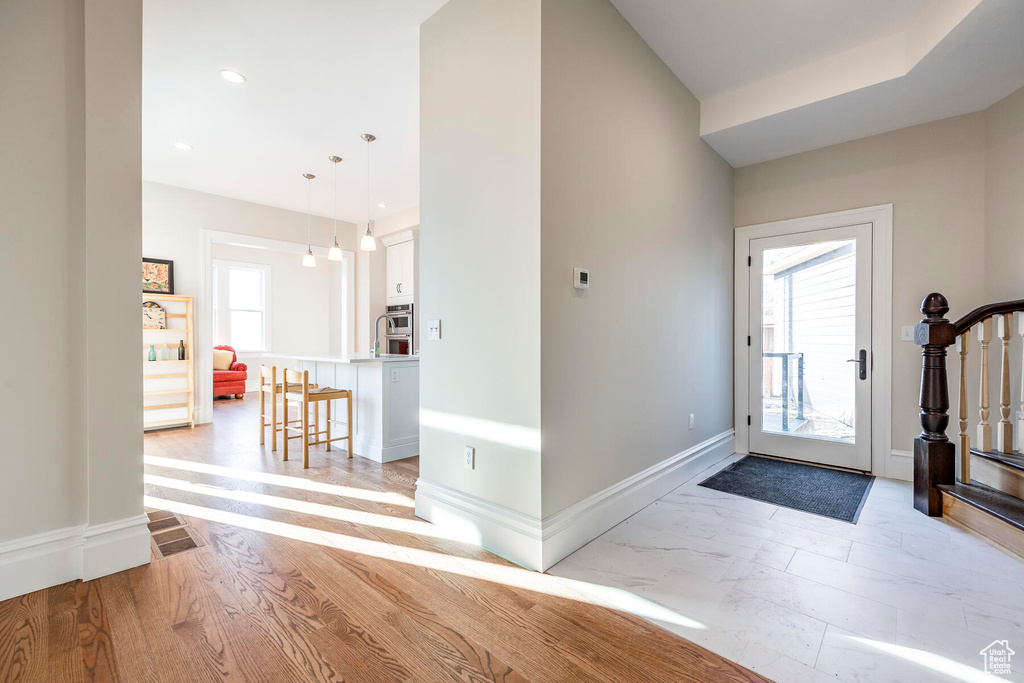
(469, 457)
(433, 329)
(691, 420)
(907, 333)
(394, 374)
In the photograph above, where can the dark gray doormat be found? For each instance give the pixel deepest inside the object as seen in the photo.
(819, 490)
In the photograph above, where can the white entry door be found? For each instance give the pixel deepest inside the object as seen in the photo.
(810, 346)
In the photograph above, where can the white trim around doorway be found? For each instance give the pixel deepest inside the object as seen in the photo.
(880, 218)
(204, 315)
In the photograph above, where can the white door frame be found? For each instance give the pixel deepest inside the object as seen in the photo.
(880, 218)
(204, 311)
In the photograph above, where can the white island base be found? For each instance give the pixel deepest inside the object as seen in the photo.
(386, 400)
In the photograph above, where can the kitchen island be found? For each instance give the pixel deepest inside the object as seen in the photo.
(385, 401)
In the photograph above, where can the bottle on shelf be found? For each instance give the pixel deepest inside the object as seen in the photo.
(152, 352)
(181, 349)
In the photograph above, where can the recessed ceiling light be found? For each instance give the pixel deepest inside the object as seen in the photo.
(232, 76)
(383, 206)
(184, 146)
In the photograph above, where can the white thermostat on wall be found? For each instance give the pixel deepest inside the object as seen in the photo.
(580, 278)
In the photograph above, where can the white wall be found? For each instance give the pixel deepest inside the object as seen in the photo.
(300, 321)
(631, 192)
(172, 221)
(480, 248)
(934, 175)
(1004, 199)
(69, 269)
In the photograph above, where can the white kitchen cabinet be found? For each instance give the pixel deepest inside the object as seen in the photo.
(402, 272)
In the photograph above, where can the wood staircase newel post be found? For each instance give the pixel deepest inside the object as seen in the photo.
(934, 454)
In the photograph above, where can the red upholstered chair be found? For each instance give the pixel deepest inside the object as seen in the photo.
(231, 381)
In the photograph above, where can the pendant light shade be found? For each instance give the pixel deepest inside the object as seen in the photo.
(335, 253)
(368, 243)
(309, 260)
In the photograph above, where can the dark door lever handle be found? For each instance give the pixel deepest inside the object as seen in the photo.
(863, 360)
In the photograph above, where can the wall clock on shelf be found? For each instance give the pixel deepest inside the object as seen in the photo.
(153, 316)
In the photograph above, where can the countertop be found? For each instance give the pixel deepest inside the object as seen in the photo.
(352, 358)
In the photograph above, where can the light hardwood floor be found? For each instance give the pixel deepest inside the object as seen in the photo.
(326, 575)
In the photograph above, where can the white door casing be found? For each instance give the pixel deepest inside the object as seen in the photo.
(883, 461)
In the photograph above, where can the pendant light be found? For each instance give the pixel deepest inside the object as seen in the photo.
(335, 253)
(309, 260)
(368, 243)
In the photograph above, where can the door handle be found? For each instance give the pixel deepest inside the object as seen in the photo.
(399, 287)
(863, 360)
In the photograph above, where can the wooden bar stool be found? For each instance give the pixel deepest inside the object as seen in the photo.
(270, 386)
(309, 397)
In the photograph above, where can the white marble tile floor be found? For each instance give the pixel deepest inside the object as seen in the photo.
(800, 598)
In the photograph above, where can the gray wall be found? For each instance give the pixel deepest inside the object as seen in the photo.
(41, 194)
(70, 249)
(480, 90)
(631, 192)
(958, 219)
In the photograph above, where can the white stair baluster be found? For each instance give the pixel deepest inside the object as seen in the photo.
(984, 428)
(1020, 415)
(1004, 439)
(963, 346)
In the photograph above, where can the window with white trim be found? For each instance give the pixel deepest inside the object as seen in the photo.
(241, 310)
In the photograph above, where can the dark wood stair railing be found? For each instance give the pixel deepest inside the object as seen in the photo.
(934, 454)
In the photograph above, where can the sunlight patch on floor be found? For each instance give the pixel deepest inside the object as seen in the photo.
(604, 596)
(930, 660)
(388, 497)
(409, 526)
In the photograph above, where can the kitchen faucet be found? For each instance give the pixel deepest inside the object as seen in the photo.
(376, 327)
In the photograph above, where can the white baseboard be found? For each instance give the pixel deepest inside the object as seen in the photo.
(114, 547)
(900, 466)
(40, 561)
(77, 552)
(572, 528)
(501, 530)
(375, 452)
(538, 544)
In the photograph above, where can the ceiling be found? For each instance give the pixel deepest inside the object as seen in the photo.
(778, 77)
(774, 78)
(319, 74)
(715, 46)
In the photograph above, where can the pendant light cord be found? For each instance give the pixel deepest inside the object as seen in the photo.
(335, 203)
(309, 212)
(367, 186)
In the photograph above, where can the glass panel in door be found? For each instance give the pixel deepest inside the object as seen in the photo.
(810, 319)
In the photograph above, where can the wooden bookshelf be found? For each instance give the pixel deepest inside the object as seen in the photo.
(168, 391)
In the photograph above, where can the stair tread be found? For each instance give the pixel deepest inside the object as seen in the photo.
(1014, 460)
(1002, 505)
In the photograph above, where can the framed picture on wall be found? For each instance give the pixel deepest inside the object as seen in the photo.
(157, 276)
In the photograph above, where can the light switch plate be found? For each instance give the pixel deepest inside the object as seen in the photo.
(433, 329)
(907, 333)
(691, 420)
(469, 457)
